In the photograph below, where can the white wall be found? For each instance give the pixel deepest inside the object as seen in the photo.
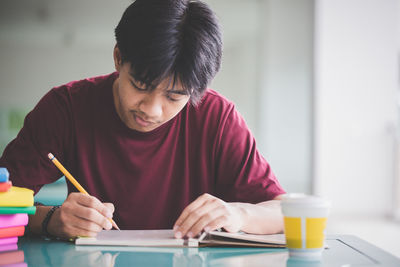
(48, 43)
(238, 78)
(285, 96)
(396, 185)
(356, 89)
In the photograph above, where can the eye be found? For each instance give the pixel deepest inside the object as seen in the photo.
(176, 95)
(171, 98)
(139, 86)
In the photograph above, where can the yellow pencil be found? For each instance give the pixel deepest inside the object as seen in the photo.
(74, 182)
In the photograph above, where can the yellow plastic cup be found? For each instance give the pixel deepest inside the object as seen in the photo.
(305, 220)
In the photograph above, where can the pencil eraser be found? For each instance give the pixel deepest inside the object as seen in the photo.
(4, 175)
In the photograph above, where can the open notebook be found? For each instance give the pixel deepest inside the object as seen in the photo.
(165, 238)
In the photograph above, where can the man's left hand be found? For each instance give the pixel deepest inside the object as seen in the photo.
(208, 213)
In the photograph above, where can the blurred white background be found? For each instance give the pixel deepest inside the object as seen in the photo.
(316, 80)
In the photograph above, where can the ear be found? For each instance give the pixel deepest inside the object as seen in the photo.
(117, 58)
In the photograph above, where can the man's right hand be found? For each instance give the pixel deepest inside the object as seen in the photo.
(80, 215)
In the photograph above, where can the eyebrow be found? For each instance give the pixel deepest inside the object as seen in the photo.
(179, 92)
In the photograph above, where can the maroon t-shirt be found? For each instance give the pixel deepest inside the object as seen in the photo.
(150, 177)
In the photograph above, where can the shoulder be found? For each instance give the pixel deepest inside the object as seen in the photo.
(76, 97)
(81, 89)
(213, 116)
(213, 104)
(214, 98)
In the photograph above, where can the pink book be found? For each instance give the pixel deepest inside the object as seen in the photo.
(12, 257)
(10, 220)
(7, 248)
(8, 240)
(20, 264)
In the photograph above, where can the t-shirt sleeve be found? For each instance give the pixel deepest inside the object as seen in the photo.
(47, 128)
(242, 173)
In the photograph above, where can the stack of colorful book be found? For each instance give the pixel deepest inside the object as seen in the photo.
(15, 205)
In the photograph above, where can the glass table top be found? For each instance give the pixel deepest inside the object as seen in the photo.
(39, 252)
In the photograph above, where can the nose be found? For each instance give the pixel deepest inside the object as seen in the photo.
(151, 105)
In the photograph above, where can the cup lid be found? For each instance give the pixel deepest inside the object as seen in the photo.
(304, 199)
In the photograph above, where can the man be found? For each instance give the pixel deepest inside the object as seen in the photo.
(150, 138)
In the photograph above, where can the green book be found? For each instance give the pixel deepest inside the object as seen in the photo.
(14, 210)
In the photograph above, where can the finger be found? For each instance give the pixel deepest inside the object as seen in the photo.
(79, 231)
(218, 223)
(70, 225)
(84, 227)
(206, 210)
(207, 220)
(93, 202)
(190, 208)
(110, 206)
(87, 214)
(94, 216)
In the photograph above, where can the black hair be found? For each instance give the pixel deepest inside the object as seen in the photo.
(177, 39)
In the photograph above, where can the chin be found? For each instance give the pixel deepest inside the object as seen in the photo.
(142, 129)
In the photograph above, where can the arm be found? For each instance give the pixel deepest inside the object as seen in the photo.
(209, 213)
(261, 218)
(80, 215)
(49, 128)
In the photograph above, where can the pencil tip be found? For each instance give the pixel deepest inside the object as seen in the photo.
(116, 226)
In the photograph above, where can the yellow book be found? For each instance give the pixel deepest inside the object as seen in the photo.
(16, 197)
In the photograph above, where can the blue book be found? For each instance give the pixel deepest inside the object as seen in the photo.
(4, 175)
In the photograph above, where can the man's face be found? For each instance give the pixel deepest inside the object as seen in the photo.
(142, 109)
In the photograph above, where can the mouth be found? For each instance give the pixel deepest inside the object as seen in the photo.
(142, 122)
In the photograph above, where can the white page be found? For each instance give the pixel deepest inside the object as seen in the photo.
(144, 238)
(165, 238)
